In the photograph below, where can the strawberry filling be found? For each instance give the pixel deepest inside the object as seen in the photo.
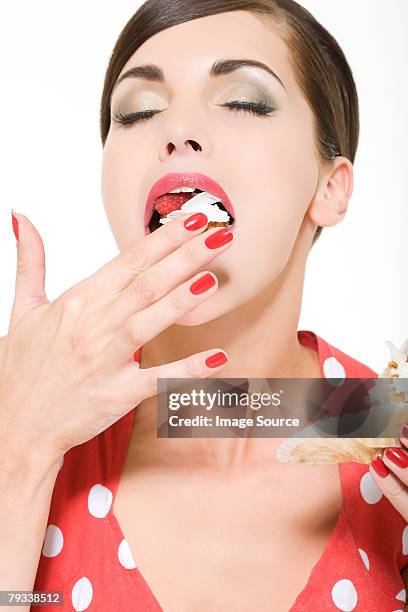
(169, 202)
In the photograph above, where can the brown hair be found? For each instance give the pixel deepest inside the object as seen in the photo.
(319, 64)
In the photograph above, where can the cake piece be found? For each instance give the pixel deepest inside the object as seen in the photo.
(172, 204)
(392, 398)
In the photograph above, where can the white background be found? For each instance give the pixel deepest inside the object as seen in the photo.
(53, 59)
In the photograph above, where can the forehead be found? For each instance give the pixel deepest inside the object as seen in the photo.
(188, 49)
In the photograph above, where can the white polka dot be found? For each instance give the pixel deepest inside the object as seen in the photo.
(332, 368)
(99, 500)
(82, 594)
(53, 541)
(344, 595)
(402, 595)
(405, 541)
(364, 557)
(369, 489)
(125, 555)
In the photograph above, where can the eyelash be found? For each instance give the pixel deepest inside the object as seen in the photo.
(261, 109)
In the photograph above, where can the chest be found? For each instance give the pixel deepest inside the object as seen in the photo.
(204, 544)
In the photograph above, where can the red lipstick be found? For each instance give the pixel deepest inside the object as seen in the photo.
(171, 181)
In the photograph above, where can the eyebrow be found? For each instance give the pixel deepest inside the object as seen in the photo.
(152, 72)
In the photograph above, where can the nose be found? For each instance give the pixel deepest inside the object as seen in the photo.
(178, 144)
(188, 143)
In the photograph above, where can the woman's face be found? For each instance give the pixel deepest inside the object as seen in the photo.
(267, 165)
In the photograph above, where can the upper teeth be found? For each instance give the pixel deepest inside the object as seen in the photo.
(178, 189)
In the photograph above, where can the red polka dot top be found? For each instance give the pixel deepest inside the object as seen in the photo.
(86, 556)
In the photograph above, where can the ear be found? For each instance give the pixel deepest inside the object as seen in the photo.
(333, 191)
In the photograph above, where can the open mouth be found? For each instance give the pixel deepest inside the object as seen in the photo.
(173, 201)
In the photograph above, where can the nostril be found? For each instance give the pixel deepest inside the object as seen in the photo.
(195, 145)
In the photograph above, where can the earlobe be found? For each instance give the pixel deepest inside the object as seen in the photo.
(330, 202)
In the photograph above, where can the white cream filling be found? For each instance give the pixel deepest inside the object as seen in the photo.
(203, 202)
(398, 381)
(400, 356)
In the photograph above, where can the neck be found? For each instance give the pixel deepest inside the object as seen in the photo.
(261, 341)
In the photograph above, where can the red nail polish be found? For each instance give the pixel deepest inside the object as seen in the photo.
(14, 222)
(219, 238)
(380, 467)
(196, 221)
(216, 360)
(202, 284)
(397, 456)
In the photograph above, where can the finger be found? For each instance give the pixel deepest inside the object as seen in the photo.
(114, 276)
(30, 272)
(146, 324)
(404, 436)
(158, 280)
(396, 460)
(134, 384)
(391, 486)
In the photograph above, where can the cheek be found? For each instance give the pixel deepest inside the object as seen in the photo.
(272, 194)
(278, 168)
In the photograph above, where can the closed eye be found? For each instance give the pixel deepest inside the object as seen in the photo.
(133, 117)
(261, 109)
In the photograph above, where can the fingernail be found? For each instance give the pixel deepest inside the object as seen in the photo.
(216, 360)
(219, 238)
(14, 222)
(196, 221)
(202, 284)
(404, 431)
(380, 467)
(397, 456)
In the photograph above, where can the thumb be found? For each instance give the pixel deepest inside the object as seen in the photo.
(30, 276)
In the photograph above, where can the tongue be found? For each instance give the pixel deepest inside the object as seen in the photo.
(168, 202)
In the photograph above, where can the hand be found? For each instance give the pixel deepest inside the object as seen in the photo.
(390, 472)
(67, 371)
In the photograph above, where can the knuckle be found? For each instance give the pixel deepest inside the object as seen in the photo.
(21, 268)
(86, 287)
(72, 304)
(193, 369)
(24, 267)
(145, 287)
(150, 383)
(135, 258)
(171, 234)
(191, 253)
(178, 301)
(135, 331)
(395, 493)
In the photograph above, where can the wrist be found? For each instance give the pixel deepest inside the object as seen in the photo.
(27, 468)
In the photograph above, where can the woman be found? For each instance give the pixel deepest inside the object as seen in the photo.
(256, 100)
